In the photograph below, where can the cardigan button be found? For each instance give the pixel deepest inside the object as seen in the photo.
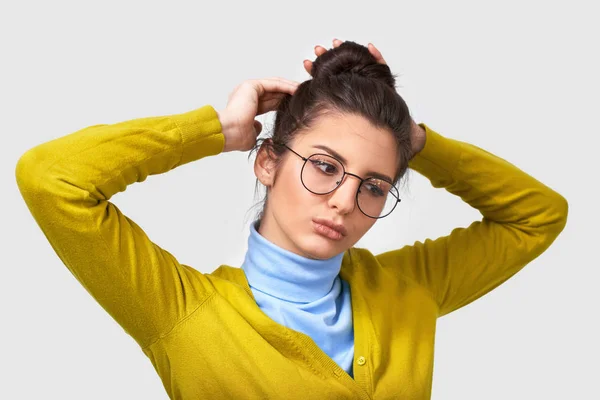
(361, 360)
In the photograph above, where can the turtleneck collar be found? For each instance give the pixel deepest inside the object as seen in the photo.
(286, 275)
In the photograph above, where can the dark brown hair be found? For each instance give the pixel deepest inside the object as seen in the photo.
(345, 80)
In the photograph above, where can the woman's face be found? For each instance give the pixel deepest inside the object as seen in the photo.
(290, 211)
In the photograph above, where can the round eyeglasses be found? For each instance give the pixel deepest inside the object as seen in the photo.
(322, 174)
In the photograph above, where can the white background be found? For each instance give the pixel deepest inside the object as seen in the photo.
(517, 78)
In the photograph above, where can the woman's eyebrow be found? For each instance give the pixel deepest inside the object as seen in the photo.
(337, 155)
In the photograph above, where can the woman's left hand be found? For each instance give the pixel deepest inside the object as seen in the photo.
(418, 135)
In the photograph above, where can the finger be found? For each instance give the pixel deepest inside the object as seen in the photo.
(269, 104)
(320, 50)
(308, 66)
(280, 85)
(376, 53)
(336, 42)
(287, 82)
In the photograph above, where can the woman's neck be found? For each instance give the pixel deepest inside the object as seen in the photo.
(287, 275)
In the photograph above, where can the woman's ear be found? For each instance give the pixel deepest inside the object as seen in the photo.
(264, 165)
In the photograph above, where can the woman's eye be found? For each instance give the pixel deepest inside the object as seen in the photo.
(325, 167)
(374, 189)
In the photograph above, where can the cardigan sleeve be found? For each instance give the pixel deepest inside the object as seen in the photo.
(521, 219)
(67, 184)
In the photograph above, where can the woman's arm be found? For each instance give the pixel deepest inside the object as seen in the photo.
(521, 219)
(67, 184)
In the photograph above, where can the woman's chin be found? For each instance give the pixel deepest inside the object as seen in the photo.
(319, 247)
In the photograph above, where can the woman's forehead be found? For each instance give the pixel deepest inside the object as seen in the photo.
(352, 139)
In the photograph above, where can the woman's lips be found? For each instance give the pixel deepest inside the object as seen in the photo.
(327, 231)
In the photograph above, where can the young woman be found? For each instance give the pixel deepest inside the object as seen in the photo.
(308, 315)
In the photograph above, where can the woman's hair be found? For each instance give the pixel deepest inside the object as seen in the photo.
(345, 80)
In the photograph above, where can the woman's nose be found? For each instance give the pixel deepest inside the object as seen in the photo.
(344, 196)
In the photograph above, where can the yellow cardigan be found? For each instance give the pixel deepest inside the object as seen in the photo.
(204, 333)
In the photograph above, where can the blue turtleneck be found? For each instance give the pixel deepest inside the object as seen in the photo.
(302, 294)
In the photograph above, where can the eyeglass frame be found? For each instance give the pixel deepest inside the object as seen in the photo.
(305, 159)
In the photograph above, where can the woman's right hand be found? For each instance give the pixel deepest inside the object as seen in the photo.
(249, 99)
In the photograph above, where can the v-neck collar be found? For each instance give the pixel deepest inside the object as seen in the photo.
(365, 344)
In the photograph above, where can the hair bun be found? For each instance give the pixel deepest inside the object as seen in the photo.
(351, 58)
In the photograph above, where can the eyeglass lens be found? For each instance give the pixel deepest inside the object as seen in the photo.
(321, 174)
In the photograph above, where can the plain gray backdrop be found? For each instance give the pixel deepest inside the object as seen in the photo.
(517, 78)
